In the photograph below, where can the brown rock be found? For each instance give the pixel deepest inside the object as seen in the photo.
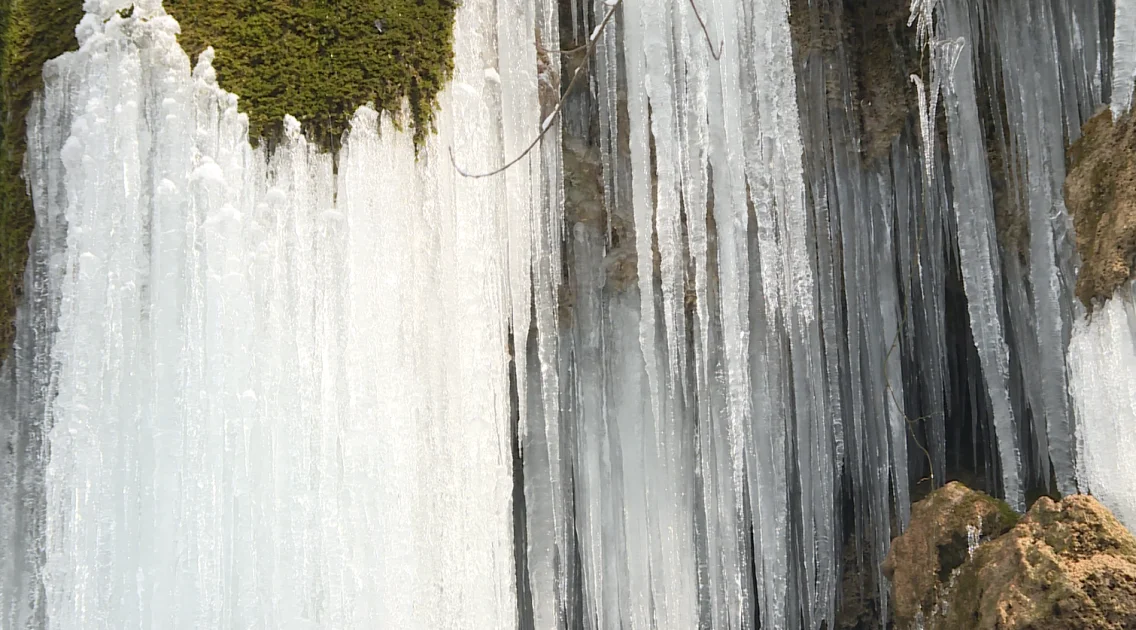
(1068, 565)
(1100, 193)
(922, 560)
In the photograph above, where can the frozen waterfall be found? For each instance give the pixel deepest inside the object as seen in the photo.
(273, 388)
(683, 366)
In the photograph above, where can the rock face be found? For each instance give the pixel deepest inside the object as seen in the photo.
(1067, 565)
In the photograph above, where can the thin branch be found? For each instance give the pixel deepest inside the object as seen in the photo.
(911, 422)
(546, 125)
(717, 55)
(588, 48)
(585, 45)
(706, 32)
(567, 51)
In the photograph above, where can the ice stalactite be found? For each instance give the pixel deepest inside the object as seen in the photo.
(977, 242)
(1037, 121)
(1124, 56)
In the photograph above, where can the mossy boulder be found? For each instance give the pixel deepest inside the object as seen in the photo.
(944, 528)
(1068, 565)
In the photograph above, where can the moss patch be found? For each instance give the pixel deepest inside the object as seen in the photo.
(1100, 192)
(319, 60)
(31, 32)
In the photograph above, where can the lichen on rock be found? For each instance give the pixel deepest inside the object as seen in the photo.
(1100, 193)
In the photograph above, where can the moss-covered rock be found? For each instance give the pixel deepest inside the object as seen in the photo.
(318, 60)
(1100, 192)
(1068, 565)
(944, 528)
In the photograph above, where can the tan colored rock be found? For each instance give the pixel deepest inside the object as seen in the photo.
(1100, 193)
(1067, 565)
(943, 527)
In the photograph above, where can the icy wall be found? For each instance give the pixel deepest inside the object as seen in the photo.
(685, 375)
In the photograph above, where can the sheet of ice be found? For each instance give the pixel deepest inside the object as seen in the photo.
(1102, 366)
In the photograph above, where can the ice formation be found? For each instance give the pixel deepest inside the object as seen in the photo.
(277, 389)
(217, 347)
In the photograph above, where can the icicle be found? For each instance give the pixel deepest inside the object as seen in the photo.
(1035, 119)
(1123, 57)
(977, 244)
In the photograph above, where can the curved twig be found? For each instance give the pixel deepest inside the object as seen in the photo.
(587, 48)
(706, 32)
(546, 124)
(566, 51)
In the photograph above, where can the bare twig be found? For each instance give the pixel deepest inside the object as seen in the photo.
(588, 48)
(706, 33)
(546, 124)
(567, 51)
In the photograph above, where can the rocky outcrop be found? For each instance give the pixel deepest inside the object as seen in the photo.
(1100, 192)
(944, 529)
(1067, 565)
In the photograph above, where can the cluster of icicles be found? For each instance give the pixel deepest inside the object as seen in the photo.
(259, 389)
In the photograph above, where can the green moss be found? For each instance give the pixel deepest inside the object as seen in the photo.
(31, 32)
(315, 59)
(318, 60)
